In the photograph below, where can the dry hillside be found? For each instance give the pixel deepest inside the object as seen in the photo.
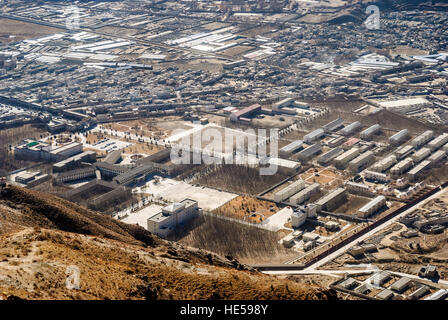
(42, 235)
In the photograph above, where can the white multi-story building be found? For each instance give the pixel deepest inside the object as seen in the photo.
(171, 216)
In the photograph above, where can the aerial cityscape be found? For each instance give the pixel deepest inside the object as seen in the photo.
(191, 150)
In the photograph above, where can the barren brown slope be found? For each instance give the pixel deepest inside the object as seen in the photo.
(33, 263)
(47, 211)
(41, 235)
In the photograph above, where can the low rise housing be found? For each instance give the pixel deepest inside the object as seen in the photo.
(305, 194)
(358, 188)
(385, 163)
(404, 151)
(347, 156)
(376, 176)
(437, 157)
(401, 167)
(336, 141)
(77, 174)
(421, 154)
(332, 200)
(422, 139)
(288, 191)
(418, 170)
(361, 161)
(371, 207)
(438, 142)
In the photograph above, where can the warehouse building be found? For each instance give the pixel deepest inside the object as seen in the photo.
(336, 142)
(422, 139)
(376, 176)
(372, 207)
(287, 192)
(86, 156)
(289, 149)
(283, 103)
(403, 152)
(31, 179)
(328, 156)
(386, 294)
(25, 177)
(333, 125)
(305, 194)
(351, 128)
(385, 163)
(420, 292)
(77, 174)
(401, 285)
(314, 135)
(65, 151)
(341, 160)
(399, 137)
(421, 154)
(245, 113)
(380, 278)
(309, 152)
(401, 167)
(418, 170)
(165, 222)
(332, 200)
(361, 161)
(368, 133)
(350, 143)
(43, 151)
(438, 142)
(113, 157)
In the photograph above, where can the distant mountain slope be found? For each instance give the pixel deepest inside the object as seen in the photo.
(42, 235)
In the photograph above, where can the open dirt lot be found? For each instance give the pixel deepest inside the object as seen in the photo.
(13, 30)
(248, 209)
(328, 178)
(352, 205)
